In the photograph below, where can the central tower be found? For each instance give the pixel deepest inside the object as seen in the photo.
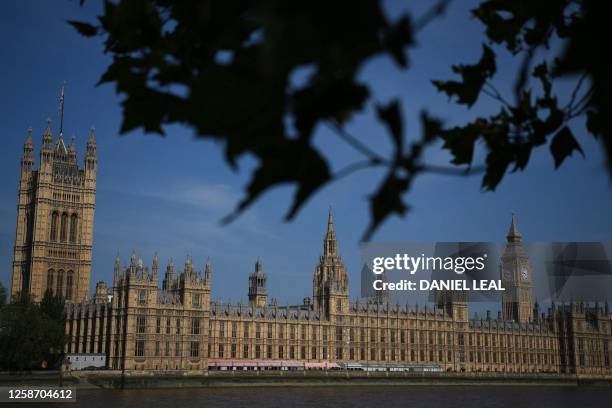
(55, 215)
(330, 281)
(258, 296)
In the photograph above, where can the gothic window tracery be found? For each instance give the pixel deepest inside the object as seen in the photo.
(63, 226)
(59, 283)
(50, 274)
(54, 217)
(69, 284)
(73, 227)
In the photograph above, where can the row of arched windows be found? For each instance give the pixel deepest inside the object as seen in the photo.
(64, 233)
(28, 227)
(55, 283)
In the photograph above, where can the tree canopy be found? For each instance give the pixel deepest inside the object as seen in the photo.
(223, 68)
(32, 335)
(2, 295)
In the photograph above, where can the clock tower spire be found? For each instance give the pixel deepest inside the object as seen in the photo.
(516, 275)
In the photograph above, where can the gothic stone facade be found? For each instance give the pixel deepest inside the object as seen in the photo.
(177, 327)
(55, 214)
(144, 326)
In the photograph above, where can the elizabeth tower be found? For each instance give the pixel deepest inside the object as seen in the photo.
(55, 217)
(516, 274)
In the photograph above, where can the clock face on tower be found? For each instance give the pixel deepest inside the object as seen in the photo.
(524, 274)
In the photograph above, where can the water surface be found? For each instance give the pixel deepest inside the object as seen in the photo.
(349, 396)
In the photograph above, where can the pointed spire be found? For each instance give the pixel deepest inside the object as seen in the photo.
(170, 268)
(258, 265)
(330, 219)
(28, 143)
(329, 244)
(188, 266)
(513, 233)
(27, 160)
(48, 134)
(169, 277)
(207, 271)
(117, 270)
(155, 266)
(91, 142)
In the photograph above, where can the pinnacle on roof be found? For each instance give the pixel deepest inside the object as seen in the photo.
(47, 134)
(72, 147)
(28, 145)
(92, 139)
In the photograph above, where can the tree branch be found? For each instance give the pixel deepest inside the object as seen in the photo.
(522, 76)
(495, 94)
(435, 11)
(353, 167)
(373, 157)
(452, 171)
(570, 104)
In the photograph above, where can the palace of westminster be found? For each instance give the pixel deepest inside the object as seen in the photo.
(152, 320)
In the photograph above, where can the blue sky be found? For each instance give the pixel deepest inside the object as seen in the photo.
(168, 194)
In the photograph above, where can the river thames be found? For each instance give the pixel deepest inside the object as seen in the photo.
(348, 396)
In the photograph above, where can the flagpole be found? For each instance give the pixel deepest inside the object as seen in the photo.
(61, 109)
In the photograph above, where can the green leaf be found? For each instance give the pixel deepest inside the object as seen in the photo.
(563, 144)
(398, 37)
(473, 78)
(289, 161)
(391, 116)
(325, 99)
(432, 127)
(460, 142)
(386, 201)
(85, 29)
(497, 165)
(594, 123)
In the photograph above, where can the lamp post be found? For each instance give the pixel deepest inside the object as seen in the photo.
(347, 341)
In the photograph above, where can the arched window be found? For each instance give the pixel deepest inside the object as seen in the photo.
(50, 274)
(60, 283)
(28, 229)
(63, 227)
(53, 235)
(69, 283)
(73, 227)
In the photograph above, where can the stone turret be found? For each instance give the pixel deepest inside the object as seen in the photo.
(258, 295)
(169, 276)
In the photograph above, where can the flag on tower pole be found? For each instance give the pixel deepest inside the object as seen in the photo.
(61, 109)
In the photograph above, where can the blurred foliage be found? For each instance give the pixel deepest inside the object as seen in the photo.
(32, 335)
(225, 69)
(2, 295)
(526, 29)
